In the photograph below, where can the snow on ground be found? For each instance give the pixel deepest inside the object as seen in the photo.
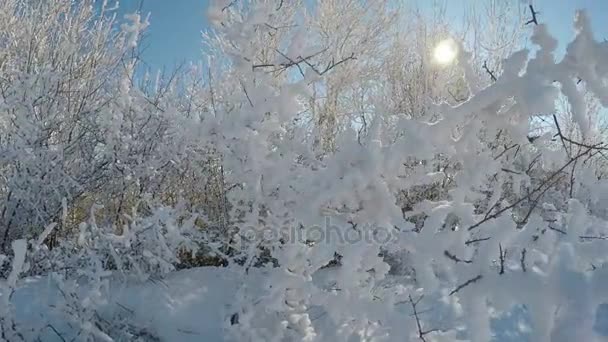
(189, 305)
(195, 305)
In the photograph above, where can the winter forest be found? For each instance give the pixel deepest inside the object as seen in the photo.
(335, 170)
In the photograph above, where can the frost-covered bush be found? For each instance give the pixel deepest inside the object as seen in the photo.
(81, 272)
(83, 122)
(148, 246)
(357, 210)
(503, 222)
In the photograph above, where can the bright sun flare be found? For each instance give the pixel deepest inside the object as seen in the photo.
(445, 52)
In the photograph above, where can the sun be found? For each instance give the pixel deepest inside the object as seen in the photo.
(445, 52)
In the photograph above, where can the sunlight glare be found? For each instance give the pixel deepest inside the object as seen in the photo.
(445, 52)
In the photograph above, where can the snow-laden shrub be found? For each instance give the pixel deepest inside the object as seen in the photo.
(83, 122)
(502, 223)
(149, 245)
(80, 272)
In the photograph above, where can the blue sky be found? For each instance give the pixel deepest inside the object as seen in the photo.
(558, 15)
(175, 31)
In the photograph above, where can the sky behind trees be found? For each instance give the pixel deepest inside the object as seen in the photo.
(174, 35)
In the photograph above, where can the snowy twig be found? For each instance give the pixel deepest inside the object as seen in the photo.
(540, 187)
(455, 258)
(421, 333)
(536, 201)
(502, 257)
(291, 62)
(507, 148)
(557, 230)
(485, 67)
(55, 331)
(232, 3)
(465, 284)
(561, 136)
(534, 13)
(468, 242)
(332, 64)
(246, 94)
(587, 237)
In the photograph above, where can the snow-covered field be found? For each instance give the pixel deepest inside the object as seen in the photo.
(191, 305)
(195, 305)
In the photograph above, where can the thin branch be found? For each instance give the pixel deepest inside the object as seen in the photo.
(456, 98)
(485, 67)
(533, 162)
(505, 150)
(534, 19)
(599, 147)
(332, 64)
(468, 242)
(291, 62)
(557, 230)
(297, 64)
(246, 94)
(276, 28)
(455, 258)
(572, 179)
(465, 284)
(232, 3)
(510, 171)
(55, 331)
(587, 237)
(502, 256)
(561, 136)
(536, 201)
(421, 333)
(489, 217)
